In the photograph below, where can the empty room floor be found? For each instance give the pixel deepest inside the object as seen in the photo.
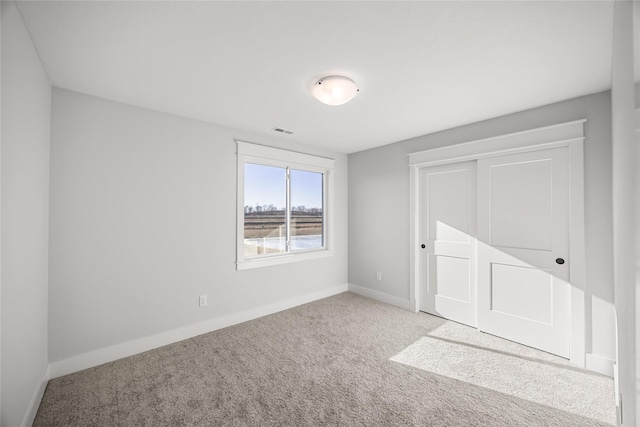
(344, 360)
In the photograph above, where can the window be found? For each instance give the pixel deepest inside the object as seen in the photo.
(284, 206)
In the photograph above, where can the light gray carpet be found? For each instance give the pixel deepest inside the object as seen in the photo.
(329, 363)
(461, 353)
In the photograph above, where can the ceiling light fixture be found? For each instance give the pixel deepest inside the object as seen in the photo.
(334, 90)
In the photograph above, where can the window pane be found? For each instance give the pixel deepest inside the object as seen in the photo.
(265, 200)
(306, 210)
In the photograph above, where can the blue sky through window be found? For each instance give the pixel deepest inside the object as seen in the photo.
(266, 185)
(306, 189)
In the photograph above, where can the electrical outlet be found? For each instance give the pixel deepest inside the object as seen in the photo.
(378, 276)
(203, 300)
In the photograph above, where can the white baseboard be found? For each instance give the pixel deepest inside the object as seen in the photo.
(381, 296)
(129, 348)
(34, 404)
(600, 364)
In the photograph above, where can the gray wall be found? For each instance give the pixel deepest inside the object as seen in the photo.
(143, 214)
(26, 104)
(379, 206)
(625, 164)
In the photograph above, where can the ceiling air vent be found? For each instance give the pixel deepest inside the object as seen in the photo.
(288, 132)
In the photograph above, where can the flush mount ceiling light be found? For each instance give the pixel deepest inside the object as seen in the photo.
(334, 90)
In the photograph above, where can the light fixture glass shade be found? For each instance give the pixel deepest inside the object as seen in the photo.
(334, 90)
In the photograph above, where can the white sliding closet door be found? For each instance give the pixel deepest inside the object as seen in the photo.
(523, 238)
(448, 230)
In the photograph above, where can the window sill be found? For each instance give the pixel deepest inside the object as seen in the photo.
(282, 259)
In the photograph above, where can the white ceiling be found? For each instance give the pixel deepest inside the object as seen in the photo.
(421, 66)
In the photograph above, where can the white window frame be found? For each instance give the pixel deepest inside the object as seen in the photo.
(269, 156)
